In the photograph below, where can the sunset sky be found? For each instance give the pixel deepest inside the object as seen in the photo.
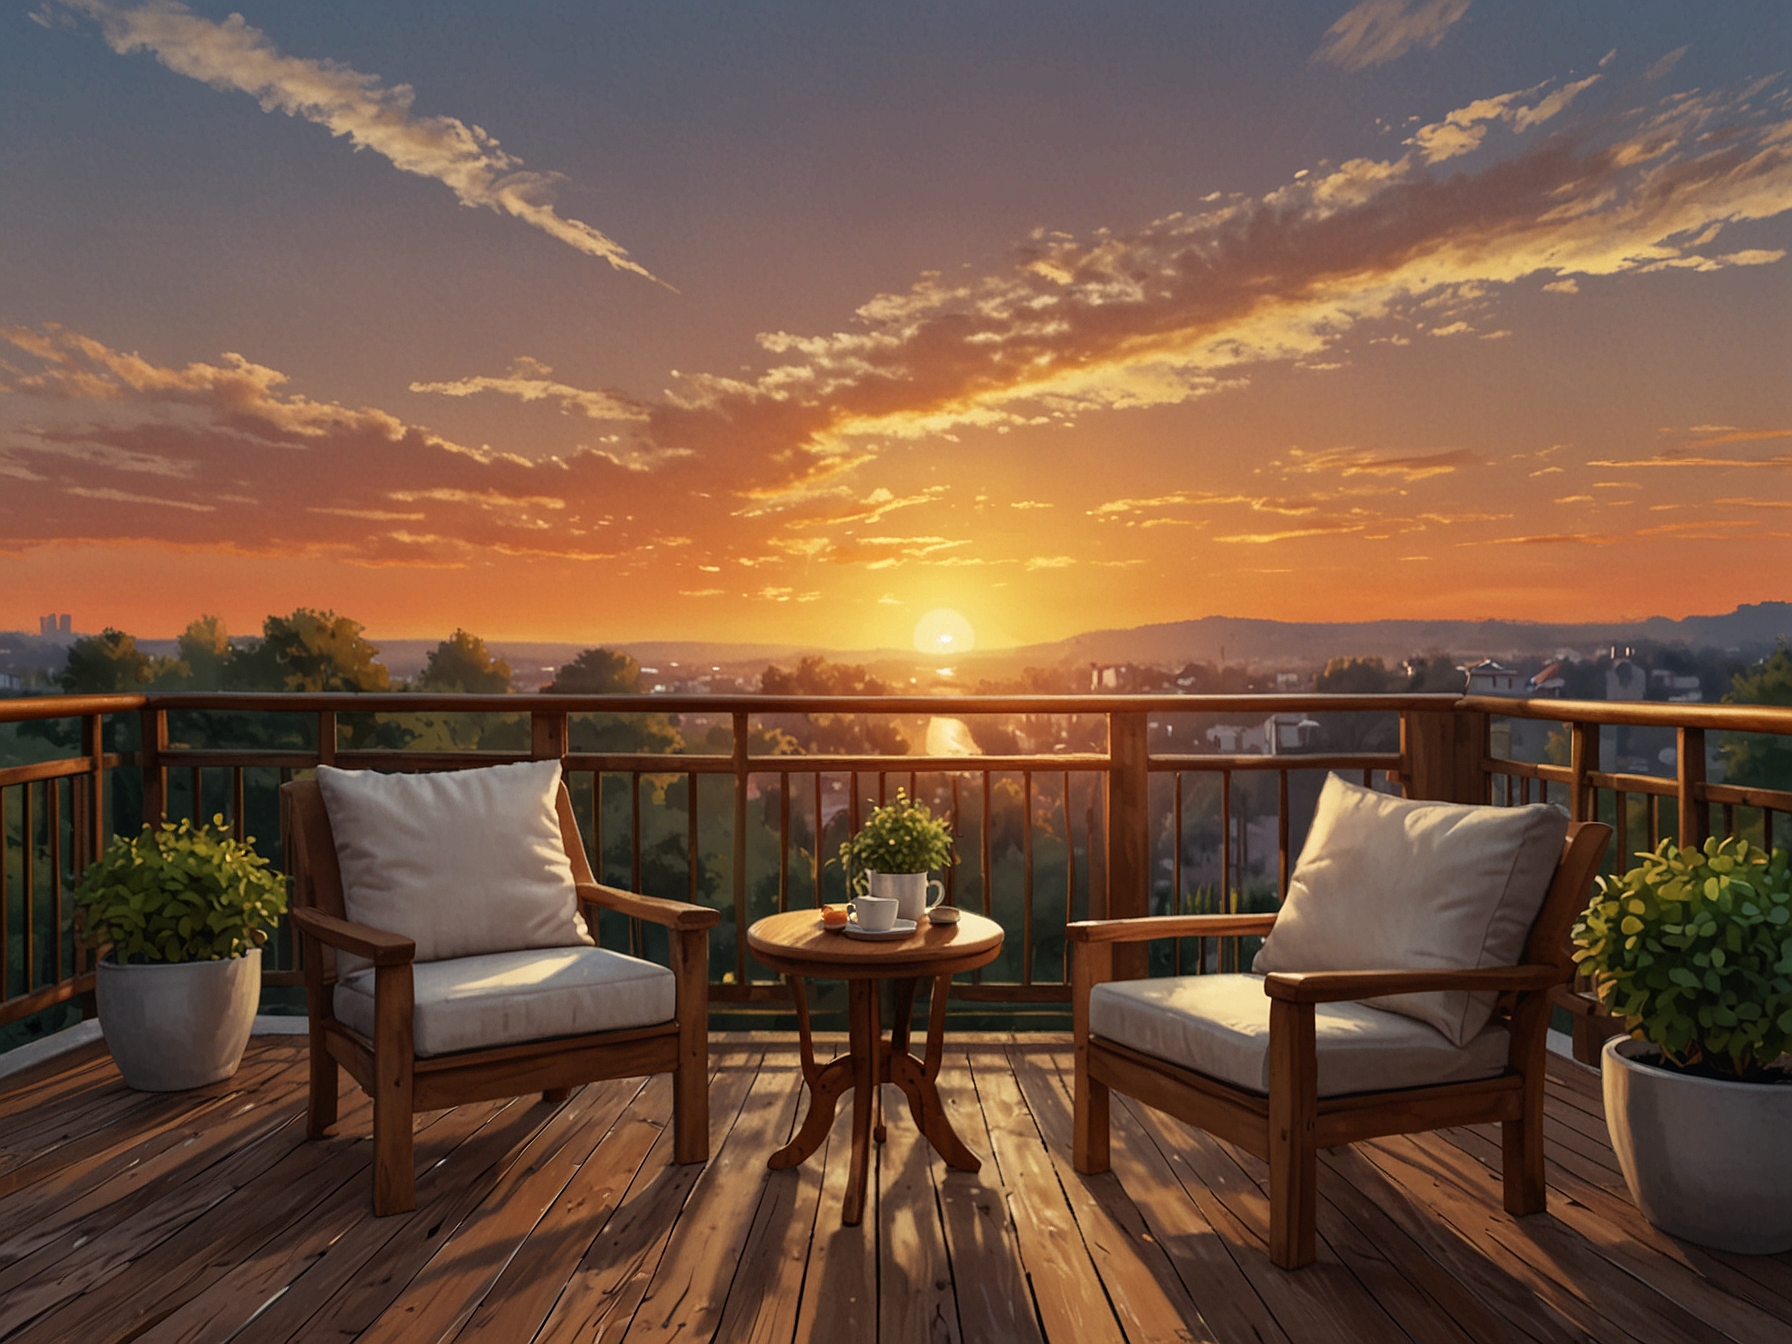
(795, 322)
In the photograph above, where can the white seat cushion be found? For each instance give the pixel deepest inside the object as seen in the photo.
(474, 1003)
(464, 862)
(1219, 1025)
(1387, 884)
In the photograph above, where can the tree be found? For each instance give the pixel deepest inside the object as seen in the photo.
(461, 665)
(205, 654)
(110, 662)
(598, 672)
(1355, 676)
(1761, 759)
(1437, 674)
(834, 734)
(309, 651)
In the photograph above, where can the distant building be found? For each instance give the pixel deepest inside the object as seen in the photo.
(1290, 681)
(1289, 732)
(8, 682)
(54, 624)
(1624, 680)
(1490, 678)
(1548, 683)
(1112, 676)
(1238, 739)
(1667, 685)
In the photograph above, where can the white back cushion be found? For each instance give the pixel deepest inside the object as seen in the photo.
(465, 862)
(1384, 884)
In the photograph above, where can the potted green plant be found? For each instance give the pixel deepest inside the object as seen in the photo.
(1693, 949)
(895, 850)
(185, 910)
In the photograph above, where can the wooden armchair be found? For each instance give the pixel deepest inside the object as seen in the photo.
(383, 1055)
(1287, 1122)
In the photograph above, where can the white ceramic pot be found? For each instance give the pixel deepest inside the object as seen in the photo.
(1705, 1160)
(171, 1026)
(915, 893)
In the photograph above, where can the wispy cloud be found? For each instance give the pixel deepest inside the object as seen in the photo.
(1355, 462)
(231, 55)
(1378, 31)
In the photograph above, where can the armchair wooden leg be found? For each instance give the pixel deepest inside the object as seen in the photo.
(326, 1078)
(1521, 1157)
(1293, 1113)
(1092, 964)
(690, 1080)
(394, 1164)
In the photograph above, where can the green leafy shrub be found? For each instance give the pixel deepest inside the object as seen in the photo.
(181, 893)
(1693, 949)
(899, 837)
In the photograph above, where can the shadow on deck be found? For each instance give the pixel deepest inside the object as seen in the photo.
(206, 1216)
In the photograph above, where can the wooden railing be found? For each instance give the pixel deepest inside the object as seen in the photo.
(1103, 823)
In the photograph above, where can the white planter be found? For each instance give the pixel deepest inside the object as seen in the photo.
(178, 1025)
(910, 890)
(1705, 1160)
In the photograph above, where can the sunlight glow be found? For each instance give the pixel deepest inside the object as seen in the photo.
(943, 630)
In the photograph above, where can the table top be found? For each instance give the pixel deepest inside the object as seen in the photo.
(795, 942)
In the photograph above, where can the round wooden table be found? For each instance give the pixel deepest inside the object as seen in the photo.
(797, 944)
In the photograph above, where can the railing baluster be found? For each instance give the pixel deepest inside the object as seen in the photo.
(815, 858)
(1652, 809)
(5, 900)
(988, 892)
(1282, 833)
(597, 823)
(196, 795)
(1176, 869)
(27, 868)
(783, 843)
(1069, 864)
(53, 830)
(739, 865)
(1729, 814)
(1026, 849)
(634, 830)
(238, 823)
(1621, 816)
(957, 832)
(690, 806)
(1767, 828)
(853, 789)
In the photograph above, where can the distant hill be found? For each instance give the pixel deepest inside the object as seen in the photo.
(1749, 630)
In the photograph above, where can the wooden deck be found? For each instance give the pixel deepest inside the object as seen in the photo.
(206, 1216)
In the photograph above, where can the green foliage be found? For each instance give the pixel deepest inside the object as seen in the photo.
(110, 662)
(1693, 948)
(205, 655)
(309, 651)
(181, 893)
(834, 734)
(461, 665)
(1753, 758)
(900, 837)
(598, 672)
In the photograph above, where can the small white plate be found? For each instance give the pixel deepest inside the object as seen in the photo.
(900, 929)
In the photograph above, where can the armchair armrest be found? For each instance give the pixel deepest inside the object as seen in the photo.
(1167, 926)
(678, 915)
(1337, 986)
(377, 945)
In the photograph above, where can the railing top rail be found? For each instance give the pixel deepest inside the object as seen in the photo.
(300, 702)
(1670, 714)
(24, 708)
(1639, 713)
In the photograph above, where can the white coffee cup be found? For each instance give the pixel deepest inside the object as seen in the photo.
(915, 893)
(874, 914)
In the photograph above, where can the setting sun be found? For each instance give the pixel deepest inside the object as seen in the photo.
(943, 630)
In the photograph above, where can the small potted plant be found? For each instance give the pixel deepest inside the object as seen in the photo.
(895, 850)
(1693, 949)
(185, 910)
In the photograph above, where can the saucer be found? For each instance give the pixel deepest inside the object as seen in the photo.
(900, 929)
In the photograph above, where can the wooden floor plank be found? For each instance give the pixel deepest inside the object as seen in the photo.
(1072, 1302)
(840, 1289)
(689, 1290)
(608, 1283)
(524, 1294)
(467, 1261)
(767, 1293)
(1149, 1296)
(915, 1298)
(988, 1277)
(206, 1217)
(1323, 1302)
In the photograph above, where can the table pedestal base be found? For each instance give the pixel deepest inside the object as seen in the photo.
(870, 1061)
